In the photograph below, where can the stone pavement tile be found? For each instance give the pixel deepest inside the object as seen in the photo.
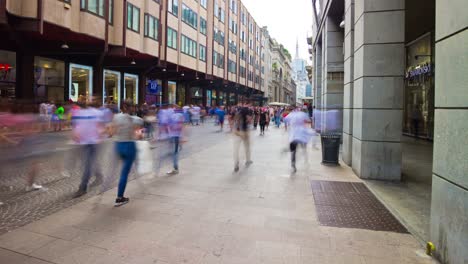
(364, 248)
(393, 260)
(7, 256)
(276, 249)
(62, 251)
(23, 241)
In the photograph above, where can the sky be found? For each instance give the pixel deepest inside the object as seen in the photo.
(287, 21)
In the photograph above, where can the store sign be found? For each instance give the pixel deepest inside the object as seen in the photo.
(5, 66)
(154, 87)
(419, 70)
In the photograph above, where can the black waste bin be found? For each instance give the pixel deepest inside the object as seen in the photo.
(330, 148)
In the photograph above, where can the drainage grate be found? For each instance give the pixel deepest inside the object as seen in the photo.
(352, 205)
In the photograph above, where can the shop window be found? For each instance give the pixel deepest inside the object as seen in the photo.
(80, 85)
(49, 79)
(7, 75)
(131, 88)
(171, 92)
(111, 88)
(208, 98)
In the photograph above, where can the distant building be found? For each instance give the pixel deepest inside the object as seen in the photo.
(300, 76)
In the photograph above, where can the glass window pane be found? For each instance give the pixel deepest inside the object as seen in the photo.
(93, 6)
(151, 28)
(129, 16)
(111, 11)
(101, 7)
(136, 19)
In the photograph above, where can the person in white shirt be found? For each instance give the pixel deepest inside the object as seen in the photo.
(195, 115)
(299, 134)
(88, 129)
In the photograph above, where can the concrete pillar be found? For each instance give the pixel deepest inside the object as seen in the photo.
(25, 76)
(318, 88)
(348, 83)
(379, 65)
(449, 208)
(332, 76)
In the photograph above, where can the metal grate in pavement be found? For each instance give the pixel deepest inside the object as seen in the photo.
(352, 205)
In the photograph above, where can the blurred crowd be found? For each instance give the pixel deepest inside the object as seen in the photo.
(90, 123)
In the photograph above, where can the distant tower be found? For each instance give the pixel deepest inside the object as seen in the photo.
(297, 49)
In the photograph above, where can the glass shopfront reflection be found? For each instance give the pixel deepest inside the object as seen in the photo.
(111, 88)
(131, 88)
(7, 75)
(49, 79)
(80, 83)
(171, 90)
(418, 118)
(208, 97)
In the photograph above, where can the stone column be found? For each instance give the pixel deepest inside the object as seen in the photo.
(449, 208)
(332, 76)
(348, 83)
(379, 65)
(318, 88)
(24, 76)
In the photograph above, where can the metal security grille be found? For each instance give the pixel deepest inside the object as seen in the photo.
(352, 205)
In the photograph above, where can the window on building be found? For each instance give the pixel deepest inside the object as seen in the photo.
(232, 66)
(94, 6)
(188, 46)
(243, 36)
(189, 16)
(217, 10)
(173, 7)
(218, 59)
(202, 53)
(202, 26)
(151, 27)
(204, 3)
(233, 6)
(221, 15)
(111, 11)
(171, 38)
(133, 17)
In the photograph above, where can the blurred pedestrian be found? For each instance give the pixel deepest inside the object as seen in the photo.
(263, 120)
(241, 122)
(221, 113)
(175, 131)
(299, 135)
(124, 131)
(87, 132)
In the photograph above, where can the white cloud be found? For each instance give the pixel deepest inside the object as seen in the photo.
(287, 21)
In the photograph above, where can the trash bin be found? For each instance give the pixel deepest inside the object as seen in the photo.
(330, 148)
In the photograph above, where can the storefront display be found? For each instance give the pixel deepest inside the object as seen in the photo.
(419, 89)
(111, 88)
(208, 97)
(197, 95)
(80, 83)
(49, 80)
(131, 88)
(153, 92)
(181, 94)
(7, 74)
(171, 90)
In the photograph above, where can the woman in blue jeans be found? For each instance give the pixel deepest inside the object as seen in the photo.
(124, 128)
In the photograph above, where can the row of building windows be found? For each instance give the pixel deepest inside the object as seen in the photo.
(188, 46)
(189, 16)
(218, 36)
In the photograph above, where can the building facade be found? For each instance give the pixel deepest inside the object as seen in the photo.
(281, 71)
(300, 76)
(396, 70)
(205, 52)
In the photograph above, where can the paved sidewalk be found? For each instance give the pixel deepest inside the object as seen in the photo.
(208, 214)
